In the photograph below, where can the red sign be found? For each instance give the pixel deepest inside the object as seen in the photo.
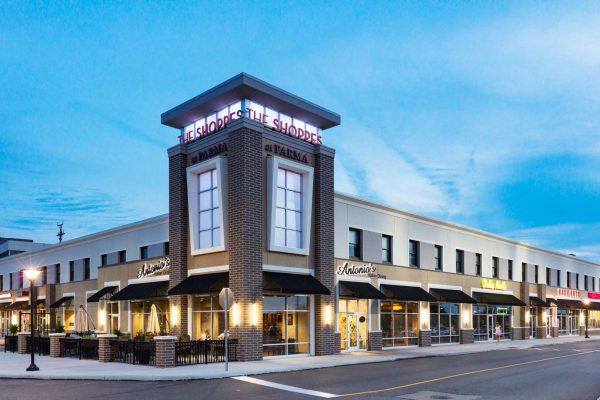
(594, 296)
(568, 293)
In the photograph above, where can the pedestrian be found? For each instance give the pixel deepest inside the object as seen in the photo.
(498, 332)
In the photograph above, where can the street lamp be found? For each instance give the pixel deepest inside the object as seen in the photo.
(586, 303)
(31, 275)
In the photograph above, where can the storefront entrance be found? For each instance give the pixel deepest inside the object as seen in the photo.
(485, 318)
(353, 324)
(533, 322)
(567, 322)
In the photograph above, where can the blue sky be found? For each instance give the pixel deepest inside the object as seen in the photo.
(485, 114)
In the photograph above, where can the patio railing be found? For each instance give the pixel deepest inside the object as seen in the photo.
(134, 351)
(84, 349)
(11, 344)
(204, 351)
(41, 345)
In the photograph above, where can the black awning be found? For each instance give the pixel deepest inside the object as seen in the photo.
(551, 300)
(101, 293)
(360, 290)
(406, 293)
(202, 284)
(497, 299)
(18, 305)
(4, 306)
(594, 305)
(61, 301)
(573, 304)
(537, 302)
(39, 302)
(452, 296)
(142, 291)
(292, 283)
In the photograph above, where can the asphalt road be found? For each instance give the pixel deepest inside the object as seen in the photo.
(565, 372)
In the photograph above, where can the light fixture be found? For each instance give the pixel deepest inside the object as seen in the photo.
(31, 274)
(327, 317)
(235, 310)
(254, 313)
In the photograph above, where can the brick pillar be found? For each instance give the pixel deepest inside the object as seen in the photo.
(326, 340)
(467, 336)
(106, 352)
(374, 341)
(178, 233)
(56, 346)
(165, 351)
(246, 219)
(425, 338)
(22, 346)
(555, 331)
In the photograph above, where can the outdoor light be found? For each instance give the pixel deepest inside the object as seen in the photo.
(254, 313)
(31, 275)
(235, 311)
(175, 314)
(327, 319)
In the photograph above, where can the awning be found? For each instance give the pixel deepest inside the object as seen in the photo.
(406, 293)
(594, 305)
(4, 306)
(61, 301)
(537, 302)
(359, 290)
(101, 293)
(452, 296)
(292, 284)
(18, 305)
(142, 291)
(573, 304)
(497, 299)
(202, 284)
(39, 302)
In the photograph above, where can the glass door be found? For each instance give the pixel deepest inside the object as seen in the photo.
(344, 331)
(353, 332)
(573, 324)
(532, 322)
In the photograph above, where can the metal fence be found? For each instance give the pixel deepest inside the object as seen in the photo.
(204, 351)
(11, 344)
(41, 345)
(84, 349)
(134, 351)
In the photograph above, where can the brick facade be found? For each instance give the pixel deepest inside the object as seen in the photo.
(106, 352)
(178, 236)
(424, 338)
(246, 199)
(467, 336)
(56, 344)
(375, 341)
(165, 351)
(22, 344)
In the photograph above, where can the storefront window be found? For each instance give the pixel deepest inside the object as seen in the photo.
(567, 321)
(208, 318)
(353, 324)
(485, 318)
(399, 323)
(68, 316)
(112, 316)
(594, 319)
(445, 322)
(141, 317)
(286, 325)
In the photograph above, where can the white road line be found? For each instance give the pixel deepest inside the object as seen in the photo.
(287, 388)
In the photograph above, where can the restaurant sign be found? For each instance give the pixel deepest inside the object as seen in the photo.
(369, 270)
(594, 296)
(158, 268)
(493, 284)
(569, 293)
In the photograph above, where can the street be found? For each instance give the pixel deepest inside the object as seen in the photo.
(566, 371)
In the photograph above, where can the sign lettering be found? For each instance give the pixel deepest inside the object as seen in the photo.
(159, 268)
(369, 270)
(4, 295)
(594, 296)
(287, 152)
(209, 153)
(493, 284)
(568, 293)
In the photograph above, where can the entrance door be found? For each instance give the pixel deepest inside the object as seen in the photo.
(573, 325)
(353, 336)
(490, 327)
(533, 322)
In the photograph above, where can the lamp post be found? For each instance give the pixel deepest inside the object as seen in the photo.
(586, 303)
(31, 275)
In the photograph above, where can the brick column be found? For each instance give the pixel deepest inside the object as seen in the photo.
(374, 341)
(425, 338)
(555, 331)
(165, 351)
(106, 352)
(467, 336)
(22, 346)
(326, 340)
(178, 233)
(56, 347)
(246, 219)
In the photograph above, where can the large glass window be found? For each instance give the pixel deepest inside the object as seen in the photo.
(445, 322)
(288, 214)
(141, 313)
(386, 248)
(485, 318)
(112, 316)
(208, 318)
(353, 324)
(438, 257)
(567, 321)
(209, 213)
(286, 325)
(399, 323)
(354, 243)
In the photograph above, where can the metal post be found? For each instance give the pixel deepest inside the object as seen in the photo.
(32, 367)
(226, 334)
(587, 313)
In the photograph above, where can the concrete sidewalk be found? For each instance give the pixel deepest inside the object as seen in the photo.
(13, 365)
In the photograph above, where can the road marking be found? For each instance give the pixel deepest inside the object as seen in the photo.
(443, 378)
(287, 388)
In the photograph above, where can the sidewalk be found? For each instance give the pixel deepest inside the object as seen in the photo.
(13, 365)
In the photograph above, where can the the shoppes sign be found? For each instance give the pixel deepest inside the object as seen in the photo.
(271, 119)
(493, 284)
(348, 269)
(574, 294)
(159, 268)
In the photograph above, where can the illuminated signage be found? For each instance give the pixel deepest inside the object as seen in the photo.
(568, 293)
(270, 118)
(501, 311)
(159, 268)
(369, 270)
(493, 284)
(594, 296)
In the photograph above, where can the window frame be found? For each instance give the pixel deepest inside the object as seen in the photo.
(358, 245)
(460, 260)
(510, 270)
(388, 240)
(495, 267)
(306, 172)
(192, 172)
(417, 263)
(124, 253)
(478, 262)
(438, 257)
